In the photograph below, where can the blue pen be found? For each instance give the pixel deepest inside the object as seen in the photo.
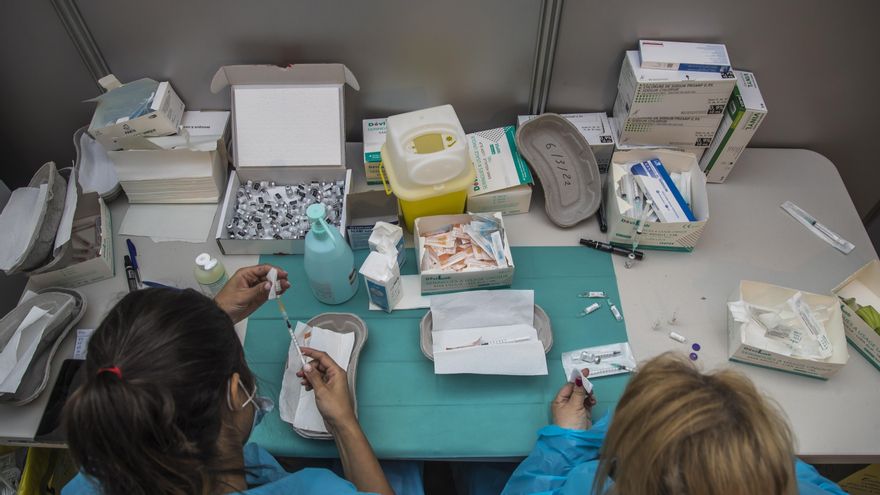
(132, 253)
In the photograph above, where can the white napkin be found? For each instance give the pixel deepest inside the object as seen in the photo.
(19, 351)
(497, 328)
(306, 416)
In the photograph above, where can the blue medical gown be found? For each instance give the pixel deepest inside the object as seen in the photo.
(564, 462)
(265, 477)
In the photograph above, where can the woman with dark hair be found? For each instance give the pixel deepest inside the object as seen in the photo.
(169, 403)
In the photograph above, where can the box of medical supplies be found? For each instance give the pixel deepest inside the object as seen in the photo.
(666, 107)
(676, 55)
(288, 138)
(596, 127)
(744, 113)
(462, 252)
(374, 138)
(366, 205)
(188, 167)
(503, 182)
(860, 295)
(91, 249)
(623, 214)
(761, 332)
(140, 108)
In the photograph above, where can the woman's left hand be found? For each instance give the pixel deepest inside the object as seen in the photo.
(247, 290)
(572, 407)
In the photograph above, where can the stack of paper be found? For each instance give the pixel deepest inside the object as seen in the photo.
(486, 333)
(20, 349)
(297, 405)
(189, 167)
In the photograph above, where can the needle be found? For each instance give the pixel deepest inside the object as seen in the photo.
(290, 330)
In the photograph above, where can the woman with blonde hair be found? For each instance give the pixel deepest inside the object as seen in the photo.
(674, 431)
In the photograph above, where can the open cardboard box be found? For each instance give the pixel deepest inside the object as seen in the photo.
(864, 286)
(669, 236)
(771, 295)
(161, 118)
(433, 283)
(288, 126)
(90, 212)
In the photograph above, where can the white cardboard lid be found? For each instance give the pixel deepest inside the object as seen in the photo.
(238, 75)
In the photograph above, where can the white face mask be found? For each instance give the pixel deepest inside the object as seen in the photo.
(263, 405)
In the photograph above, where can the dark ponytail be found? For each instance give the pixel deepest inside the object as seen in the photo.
(152, 424)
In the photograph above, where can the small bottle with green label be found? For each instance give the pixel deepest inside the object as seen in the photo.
(210, 274)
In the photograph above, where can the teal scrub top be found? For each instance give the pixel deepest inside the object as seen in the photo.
(267, 478)
(565, 462)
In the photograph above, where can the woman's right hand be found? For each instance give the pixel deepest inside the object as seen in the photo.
(330, 383)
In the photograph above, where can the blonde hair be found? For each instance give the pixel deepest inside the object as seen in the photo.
(678, 431)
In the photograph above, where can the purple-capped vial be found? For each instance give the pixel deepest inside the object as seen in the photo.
(695, 346)
(693, 356)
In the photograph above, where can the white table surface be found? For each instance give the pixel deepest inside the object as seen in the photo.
(748, 237)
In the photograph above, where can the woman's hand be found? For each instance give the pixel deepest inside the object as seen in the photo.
(247, 290)
(572, 407)
(330, 384)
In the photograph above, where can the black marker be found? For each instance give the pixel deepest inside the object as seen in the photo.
(610, 248)
(600, 214)
(130, 274)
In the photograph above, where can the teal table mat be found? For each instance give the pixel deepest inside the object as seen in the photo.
(407, 411)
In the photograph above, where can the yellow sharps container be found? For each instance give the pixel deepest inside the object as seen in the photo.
(426, 163)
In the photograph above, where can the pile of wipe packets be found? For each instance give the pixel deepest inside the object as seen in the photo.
(477, 245)
(655, 195)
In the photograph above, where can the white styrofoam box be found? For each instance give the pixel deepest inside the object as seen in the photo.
(676, 55)
(454, 282)
(744, 113)
(668, 236)
(596, 128)
(288, 126)
(161, 119)
(89, 208)
(768, 295)
(864, 286)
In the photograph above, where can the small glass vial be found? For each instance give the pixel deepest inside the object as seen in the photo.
(210, 274)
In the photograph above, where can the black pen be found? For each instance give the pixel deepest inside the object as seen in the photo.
(600, 214)
(130, 274)
(610, 248)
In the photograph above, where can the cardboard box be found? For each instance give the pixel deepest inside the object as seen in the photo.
(90, 210)
(374, 138)
(110, 120)
(744, 113)
(864, 286)
(454, 282)
(675, 55)
(503, 179)
(367, 204)
(771, 295)
(666, 107)
(288, 127)
(596, 128)
(189, 167)
(668, 236)
(697, 152)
